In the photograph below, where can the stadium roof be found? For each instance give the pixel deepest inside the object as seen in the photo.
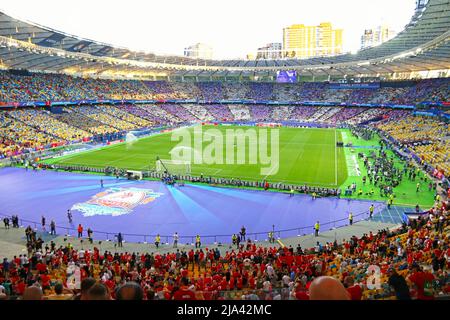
(422, 46)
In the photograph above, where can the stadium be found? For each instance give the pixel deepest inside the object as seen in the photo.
(180, 178)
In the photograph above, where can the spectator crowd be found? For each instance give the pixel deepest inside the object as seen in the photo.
(411, 262)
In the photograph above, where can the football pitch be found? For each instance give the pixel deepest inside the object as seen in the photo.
(305, 155)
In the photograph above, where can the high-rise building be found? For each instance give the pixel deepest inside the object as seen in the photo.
(199, 50)
(302, 41)
(375, 36)
(270, 51)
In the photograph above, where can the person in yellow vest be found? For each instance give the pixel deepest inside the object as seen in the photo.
(271, 238)
(316, 229)
(291, 192)
(417, 187)
(371, 209)
(360, 192)
(157, 241)
(234, 238)
(197, 242)
(314, 195)
(438, 198)
(350, 218)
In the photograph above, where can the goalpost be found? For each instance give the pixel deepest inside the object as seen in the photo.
(173, 166)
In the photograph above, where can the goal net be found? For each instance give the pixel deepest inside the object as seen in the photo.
(173, 166)
(130, 137)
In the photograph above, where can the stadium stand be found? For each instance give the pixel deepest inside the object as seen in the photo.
(219, 112)
(417, 252)
(46, 108)
(47, 128)
(428, 138)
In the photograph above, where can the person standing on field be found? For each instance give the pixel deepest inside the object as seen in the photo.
(316, 229)
(242, 233)
(198, 243)
(175, 240)
(69, 216)
(80, 231)
(52, 228)
(157, 241)
(371, 209)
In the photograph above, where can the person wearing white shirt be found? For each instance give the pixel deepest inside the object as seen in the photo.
(270, 271)
(173, 265)
(107, 275)
(175, 239)
(38, 255)
(267, 286)
(23, 260)
(400, 251)
(286, 279)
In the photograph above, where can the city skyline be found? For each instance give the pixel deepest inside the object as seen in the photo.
(240, 28)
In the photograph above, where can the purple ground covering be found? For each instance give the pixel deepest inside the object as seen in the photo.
(150, 207)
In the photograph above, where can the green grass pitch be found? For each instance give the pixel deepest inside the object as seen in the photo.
(306, 156)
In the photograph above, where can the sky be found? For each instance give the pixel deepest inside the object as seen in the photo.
(233, 28)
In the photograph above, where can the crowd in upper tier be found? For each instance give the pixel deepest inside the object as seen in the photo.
(411, 262)
(48, 87)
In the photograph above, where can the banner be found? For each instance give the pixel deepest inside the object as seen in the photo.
(192, 101)
(340, 86)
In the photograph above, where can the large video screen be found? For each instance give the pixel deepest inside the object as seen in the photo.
(289, 76)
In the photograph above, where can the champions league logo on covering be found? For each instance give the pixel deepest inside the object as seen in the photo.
(116, 201)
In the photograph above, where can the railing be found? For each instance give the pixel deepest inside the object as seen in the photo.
(205, 239)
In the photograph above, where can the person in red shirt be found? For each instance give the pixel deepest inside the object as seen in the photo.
(355, 291)
(110, 284)
(45, 281)
(183, 293)
(423, 280)
(301, 295)
(80, 231)
(223, 284)
(301, 292)
(231, 283)
(41, 267)
(252, 282)
(20, 287)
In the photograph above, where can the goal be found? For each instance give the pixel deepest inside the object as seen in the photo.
(173, 166)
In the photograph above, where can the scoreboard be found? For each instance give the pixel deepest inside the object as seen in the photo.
(288, 76)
